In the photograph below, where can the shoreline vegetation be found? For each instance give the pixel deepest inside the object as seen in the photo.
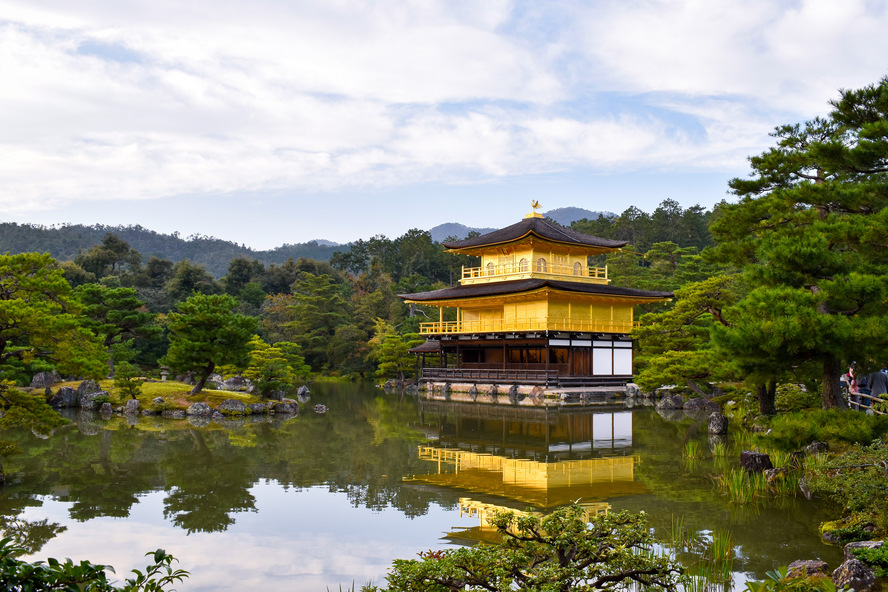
(777, 295)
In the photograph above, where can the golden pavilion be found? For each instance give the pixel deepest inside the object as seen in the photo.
(533, 313)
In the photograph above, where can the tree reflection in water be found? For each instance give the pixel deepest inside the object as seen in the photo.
(365, 447)
(206, 488)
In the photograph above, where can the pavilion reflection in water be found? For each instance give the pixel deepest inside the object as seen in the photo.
(509, 458)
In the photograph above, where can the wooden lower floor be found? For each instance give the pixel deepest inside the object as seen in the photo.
(533, 359)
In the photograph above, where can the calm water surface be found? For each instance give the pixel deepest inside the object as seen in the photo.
(322, 500)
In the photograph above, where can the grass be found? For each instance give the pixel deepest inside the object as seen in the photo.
(176, 395)
(742, 487)
(692, 449)
(719, 450)
(708, 558)
(795, 430)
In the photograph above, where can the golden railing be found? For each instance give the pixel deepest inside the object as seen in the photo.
(517, 269)
(533, 324)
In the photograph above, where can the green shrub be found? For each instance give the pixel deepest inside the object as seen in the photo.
(779, 581)
(877, 558)
(16, 575)
(795, 430)
(127, 380)
(858, 481)
(793, 397)
(566, 550)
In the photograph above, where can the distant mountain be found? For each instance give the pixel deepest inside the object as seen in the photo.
(564, 216)
(454, 229)
(567, 216)
(325, 243)
(66, 241)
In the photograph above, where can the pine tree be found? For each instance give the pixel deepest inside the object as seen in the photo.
(206, 333)
(809, 233)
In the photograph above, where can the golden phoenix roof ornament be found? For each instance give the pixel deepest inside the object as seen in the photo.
(534, 214)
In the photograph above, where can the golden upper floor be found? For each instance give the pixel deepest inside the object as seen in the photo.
(534, 248)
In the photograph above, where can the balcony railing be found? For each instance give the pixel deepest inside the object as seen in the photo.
(537, 268)
(538, 324)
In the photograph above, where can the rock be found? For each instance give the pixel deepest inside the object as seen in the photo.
(276, 395)
(288, 408)
(88, 386)
(131, 407)
(718, 424)
(187, 378)
(157, 400)
(231, 422)
(237, 384)
(670, 402)
(217, 416)
(537, 392)
(700, 404)
(849, 548)
(774, 475)
(796, 459)
(514, 396)
(410, 389)
(303, 391)
(806, 569)
(87, 401)
(214, 381)
(854, 574)
(45, 379)
(716, 440)
(391, 385)
(631, 389)
(86, 425)
(173, 414)
(198, 421)
(817, 448)
(257, 408)
(755, 462)
(445, 390)
(321, 409)
(106, 410)
(232, 407)
(672, 414)
(473, 393)
(64, 397)
(199, 410)
(492, 392)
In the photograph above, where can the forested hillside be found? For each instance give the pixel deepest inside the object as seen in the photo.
(343, 315)
(65, 242)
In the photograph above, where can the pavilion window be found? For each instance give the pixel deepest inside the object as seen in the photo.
(491, 269)
(578, 269)
(523, 265)
(541, 264)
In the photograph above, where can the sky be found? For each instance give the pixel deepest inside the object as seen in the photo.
(267, 122)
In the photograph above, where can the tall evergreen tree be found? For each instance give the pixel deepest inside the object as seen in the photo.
(318, 309)
(116, 315)
(40, 323)
(809, 232)
(206, 333)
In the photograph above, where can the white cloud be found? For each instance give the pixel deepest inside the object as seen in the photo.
(139, 100)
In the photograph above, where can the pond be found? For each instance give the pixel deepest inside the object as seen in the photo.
(321, 501)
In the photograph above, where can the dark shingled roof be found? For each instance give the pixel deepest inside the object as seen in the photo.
(517, 286)
(540, 227)
(430, 346)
